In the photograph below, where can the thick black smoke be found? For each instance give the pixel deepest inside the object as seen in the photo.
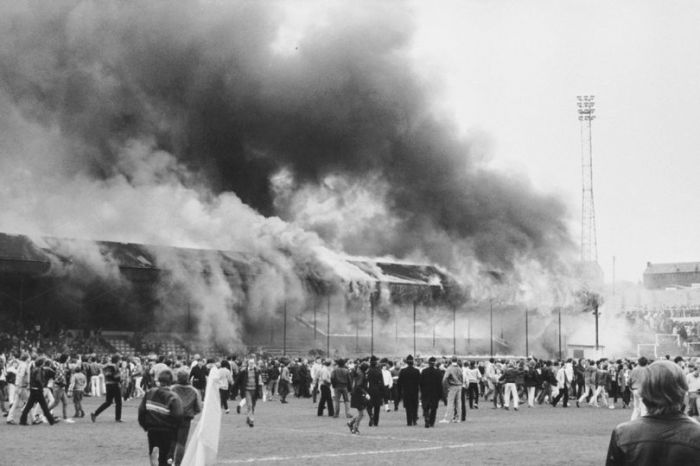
(204, 81)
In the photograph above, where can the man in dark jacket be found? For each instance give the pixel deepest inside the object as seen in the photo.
(113, 380)
(304, 380)
(431, 392)
(665, 436)
(409, 383)
(375, 388)
(342, 384)
(198, 376)
(37, 382)
(160, 414)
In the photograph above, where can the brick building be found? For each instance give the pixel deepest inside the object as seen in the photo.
(672, 275)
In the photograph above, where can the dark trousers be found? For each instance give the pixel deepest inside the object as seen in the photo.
(626, 395)
(314, 392)
(325, 400)
(114, 395)
(182, 434)
(304, 389)
(497, 394)
(411, 405)
(373, 408)
(546, 391)
(223, 396)
(201, 391)
(614, 392)
(464, 396)
(165, 441)
(563, 391)
(127, 389)
(473, 395)
(430, 407)
(395, 395)
(283, 390)
(36, 396)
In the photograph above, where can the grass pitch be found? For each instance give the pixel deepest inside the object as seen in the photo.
(293, 434)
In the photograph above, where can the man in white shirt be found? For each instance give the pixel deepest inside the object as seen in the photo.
(388, 384)
(21, 393)
(489, 376)
(324, 384)
(315, 369)
(472, 376)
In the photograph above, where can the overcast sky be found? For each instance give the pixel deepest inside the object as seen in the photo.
(512, 71)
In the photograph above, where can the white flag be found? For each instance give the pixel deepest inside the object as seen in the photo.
(203, 444)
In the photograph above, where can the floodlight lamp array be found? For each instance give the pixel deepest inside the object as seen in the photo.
(586, 104)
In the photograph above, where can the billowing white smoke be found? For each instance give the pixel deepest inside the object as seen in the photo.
(150, 199)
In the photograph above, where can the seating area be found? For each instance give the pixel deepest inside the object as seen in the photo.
(121, 346)
(162, 343)
(278, 351)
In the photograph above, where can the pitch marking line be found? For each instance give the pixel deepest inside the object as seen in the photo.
(347, 434)
(373, 452)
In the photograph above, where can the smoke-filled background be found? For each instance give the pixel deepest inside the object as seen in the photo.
(232, 126)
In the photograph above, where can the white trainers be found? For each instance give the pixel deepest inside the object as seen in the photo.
(154, 456)
(70, 421)
(444, 421)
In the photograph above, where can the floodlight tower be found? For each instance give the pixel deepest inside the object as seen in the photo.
(589, 242)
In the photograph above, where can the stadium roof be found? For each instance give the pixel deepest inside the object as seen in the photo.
(19, 248)
(400, 273)
(18, 252)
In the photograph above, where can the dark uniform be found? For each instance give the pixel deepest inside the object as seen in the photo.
(431, 392)
(114, 393)
(409, 384)
(375, 388)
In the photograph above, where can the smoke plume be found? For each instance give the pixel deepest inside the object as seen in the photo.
(228, 125)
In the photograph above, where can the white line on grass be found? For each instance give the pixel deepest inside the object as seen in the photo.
(345, 433)
(373, 452)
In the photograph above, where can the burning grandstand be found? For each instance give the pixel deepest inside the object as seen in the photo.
(138, 288)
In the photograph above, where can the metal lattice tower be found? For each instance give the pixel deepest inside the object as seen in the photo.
(589, 241)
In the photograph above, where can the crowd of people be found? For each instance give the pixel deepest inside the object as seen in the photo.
(670, 320)
(16, 337)
(34, 386)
